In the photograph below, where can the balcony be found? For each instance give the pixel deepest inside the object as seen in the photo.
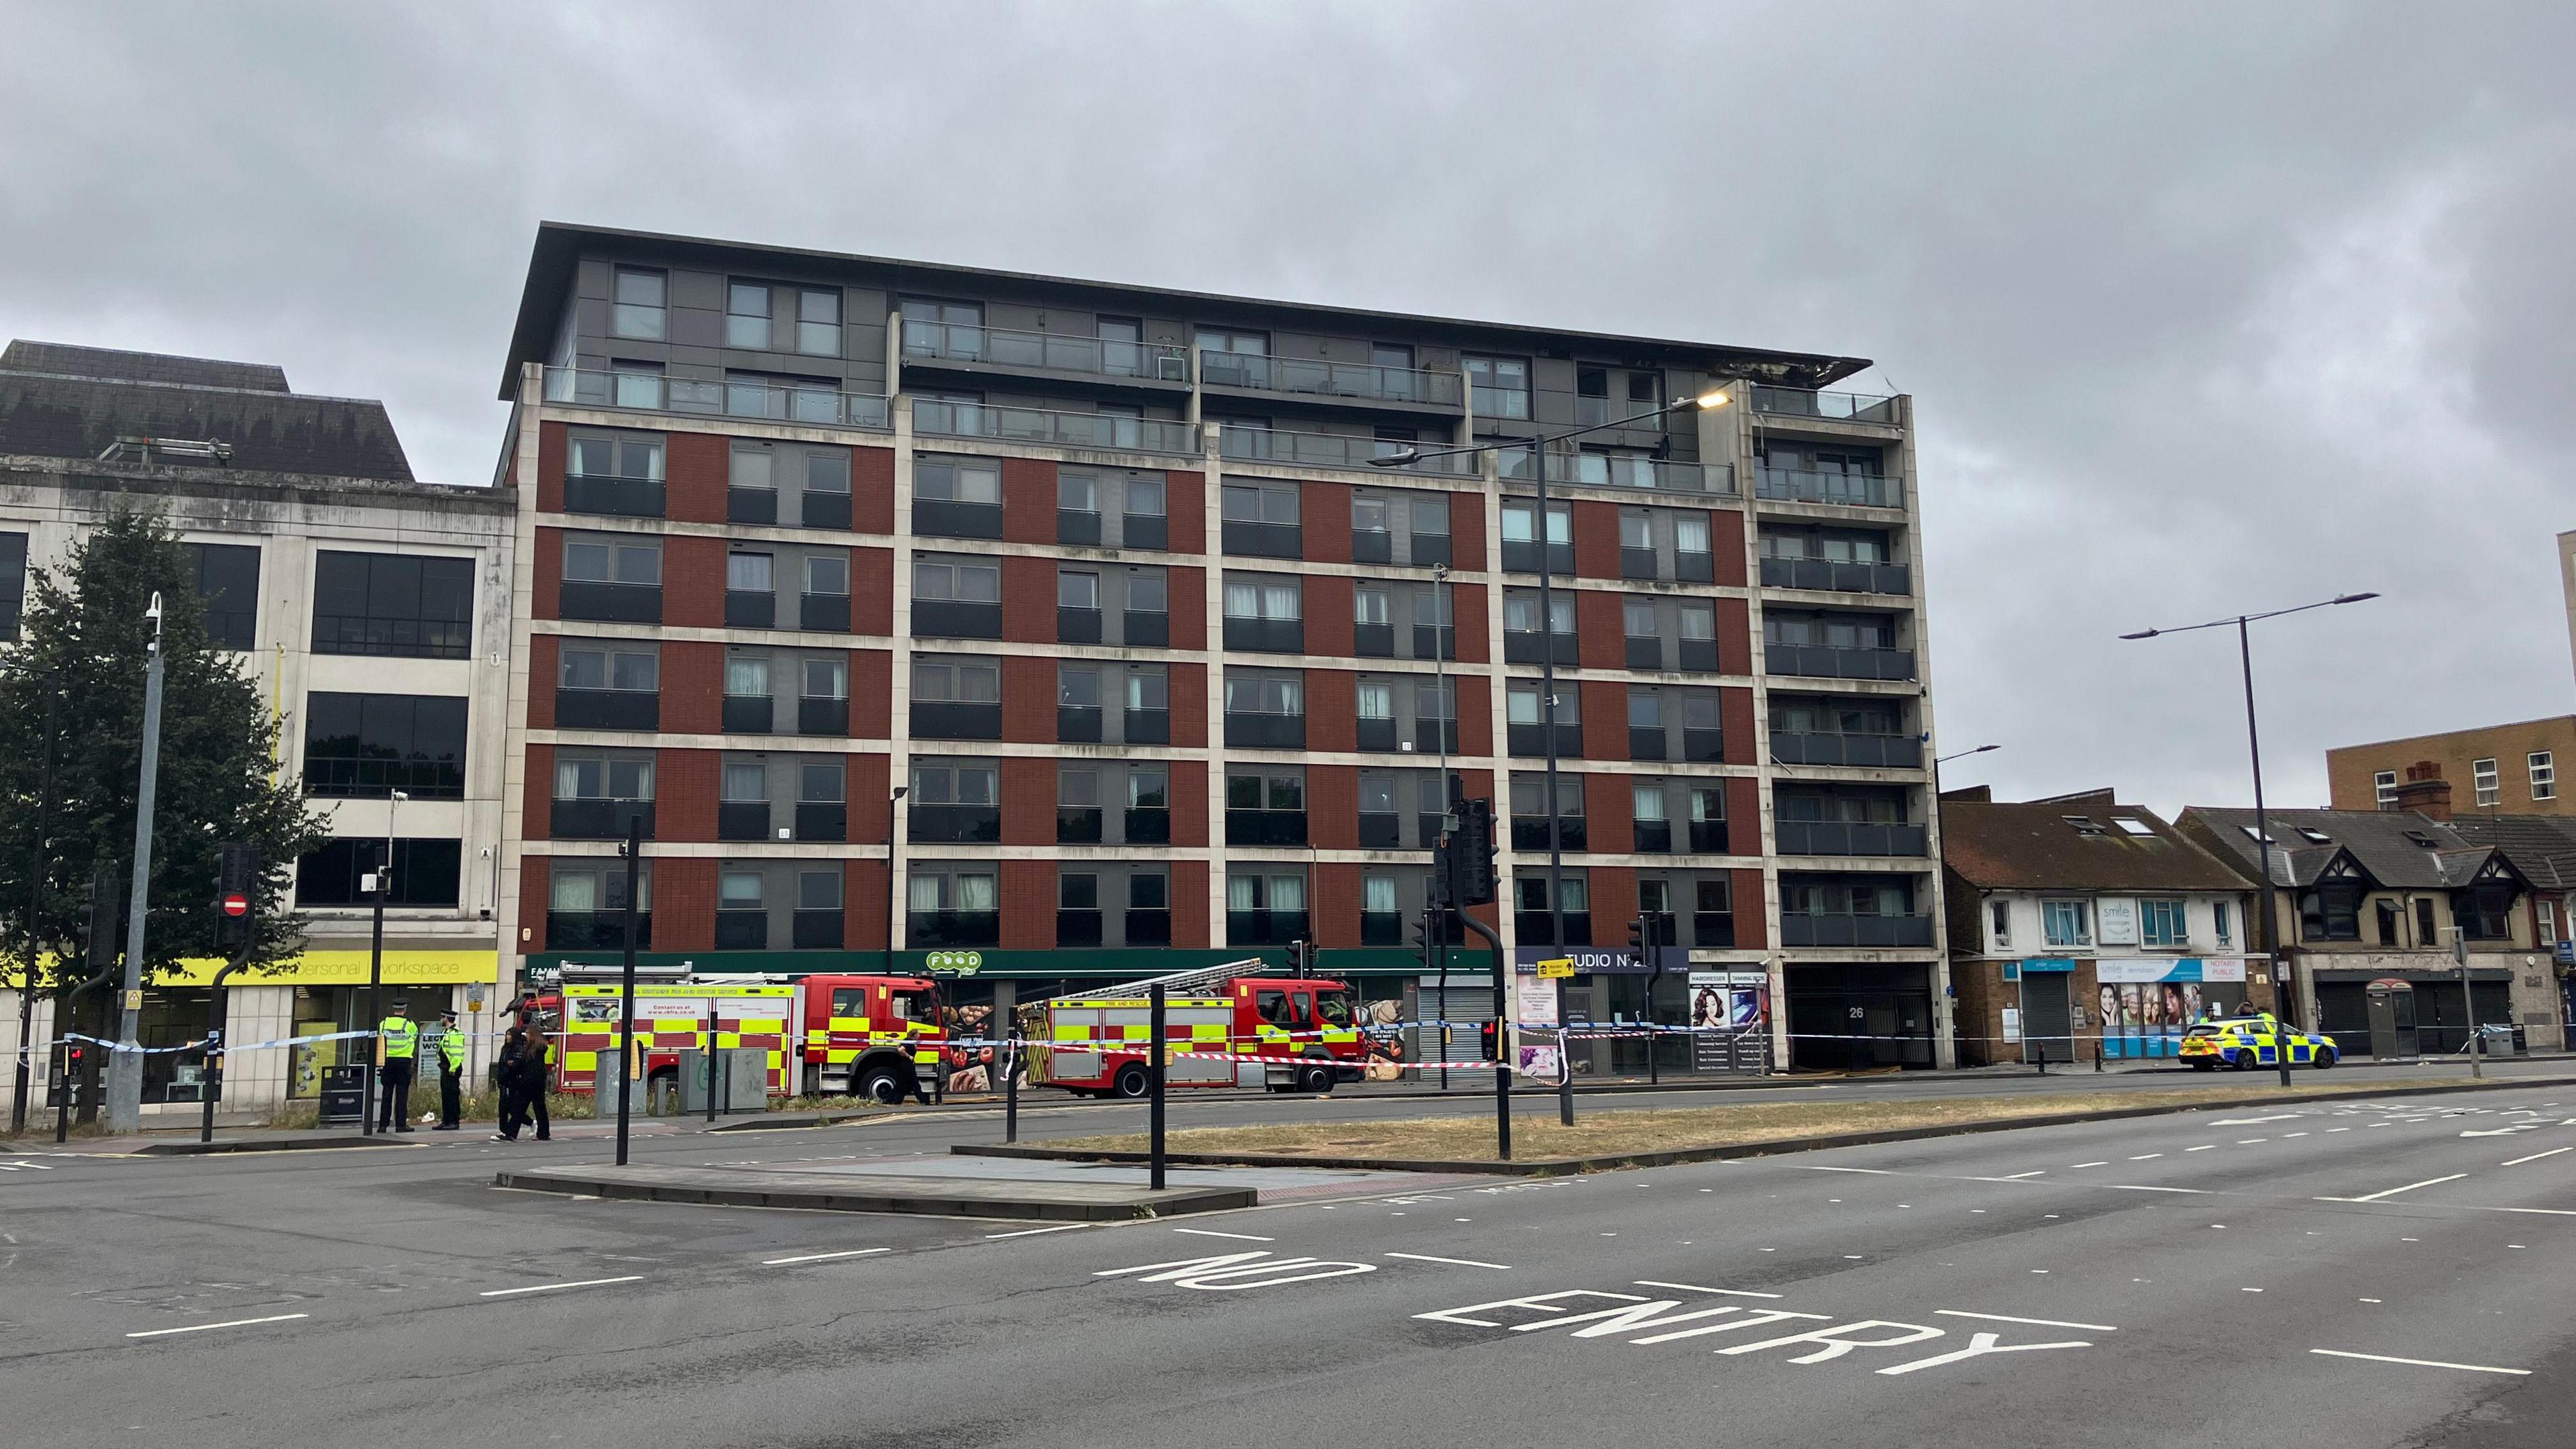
(1147, 827)
(1316, 378)
(1619, 470)
(1836, 576)
(711, 397)
(822, 820)
(1691, 566)
(1534, 928)
(824, 510)
(610, 603)
(1380, 830)
(1520, 556)
(823, 613)
(1529, 833)
(944, 824)
(1077, 824)
(1646, 742)
(1825, 661)
(599, 819)
(1334, 450)
(1381, 928)
(1529, 741)
(748, 714)
(1847, 837)
(1801, 929)
(1713, 930)
(1879, 752)
(822, 716)
(615, 497)
(1265, 731)
(947, 518)
(1377, 735)
(954, 619)
(1708, 837)
(742, 820)
(1644, 651)
(1373, 641)
(1077, 724)
(1264, 928)
(1521, 646)
(750, 609)
(1651, 837)
(742, 930)
(596, 930)
(1855, 490)
(1841, 407)
(1144, 530)
(1265, 827)
(751, 505)
(1076, 626)
(925, 341)
(1639, 563)
(1430, 642)
(933, 930)
(1146, 727)
(1372, 546)
(607, 709)
(1265, 636)
(1078, 527)
(1077, 928)
(1144, 628)
(941, 720)
(1060, 430)
(1149, 927)
(1699, 656)
(1261, 540)
(1706, 747)
(816, 931)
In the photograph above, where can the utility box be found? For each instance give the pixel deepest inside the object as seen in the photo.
(741, 1081)
(344, 1095)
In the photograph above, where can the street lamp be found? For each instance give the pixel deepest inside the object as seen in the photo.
(1537, 443)
(2282, 996)
(1963, 754)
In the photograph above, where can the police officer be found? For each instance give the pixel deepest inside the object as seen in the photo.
(399, 1041)
(451, 1073)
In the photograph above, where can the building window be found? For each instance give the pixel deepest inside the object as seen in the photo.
(1999, 922)
(391, 605)
(958, 892)
(1244, 503)
(955, 785)
(2067, 923)
(2385, 785)
(818, 323)
(13, 582)
(747, 316)
(599, 777)
(228, 585)
(2490, 788)
(425, 873)
(934, 682)
(639, 304)
(1252, 694)
(1239, 344)
(366, 746)
(954, 480)
(2162, 923)
(2544, 775)
(955, 583)
(2223, 918)
(1498, 387)
(2545, 914)
(596, 562)
(634, 670)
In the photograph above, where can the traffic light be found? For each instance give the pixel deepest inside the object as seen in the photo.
(1471, 854)
(1637, 942)
(1298, 954)
(236, 891)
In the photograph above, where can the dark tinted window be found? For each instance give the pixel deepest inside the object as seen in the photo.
(425, 873)
(13, 582)
(369, 745)
(382, 603)
(228, 580)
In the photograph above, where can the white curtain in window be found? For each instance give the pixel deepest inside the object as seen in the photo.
(923, 893)
(575, 893)
(746, 678)
(975, 893)
(1242, 601)
(1377, 701)
(1242, 893)
(1287, 893)
(1377, 895)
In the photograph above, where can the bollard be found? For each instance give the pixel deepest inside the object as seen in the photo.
(1154, 1080)
(2097, 1053)
(2041, 1048)
(1010, 1067)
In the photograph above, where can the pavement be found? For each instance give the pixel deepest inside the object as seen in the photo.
(2384, 1272)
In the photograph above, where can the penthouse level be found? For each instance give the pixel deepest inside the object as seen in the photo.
(919, 607)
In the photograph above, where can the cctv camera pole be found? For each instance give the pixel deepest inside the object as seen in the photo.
(626, 985)
(125, 1064)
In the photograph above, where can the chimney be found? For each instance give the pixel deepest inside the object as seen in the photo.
(2425, 792)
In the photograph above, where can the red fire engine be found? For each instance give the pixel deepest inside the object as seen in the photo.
(1226, 1026)
(871, 1036)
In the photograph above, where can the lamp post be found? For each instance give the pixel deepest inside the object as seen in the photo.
(2284, 996)
(125, 1064)
(376, 966)
(1537, 443)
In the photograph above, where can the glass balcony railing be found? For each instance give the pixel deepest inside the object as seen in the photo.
(1064, 430)
(1334, 450)
(718, 397)
(1837, 575)
(1800, 928)
(1826, 661)
(1847, 837)
(1859, 490)
(1330, 379)
(1853, 407)
(1621, 470)
(1052, 352)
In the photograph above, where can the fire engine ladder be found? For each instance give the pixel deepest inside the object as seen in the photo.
(1200, 982)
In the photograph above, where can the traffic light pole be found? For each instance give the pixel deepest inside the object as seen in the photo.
(626, 987)
(125, 1064)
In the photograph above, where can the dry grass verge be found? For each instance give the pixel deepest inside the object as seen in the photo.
(1615, 1133)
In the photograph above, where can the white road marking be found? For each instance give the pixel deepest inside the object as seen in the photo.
(232, 1323)
(2535, 1157)
(1811, 1167)
(2338, 1129)
(2250, 1141)
(2018, 1176)
(1453, 1262)
(821, 1257)
(2104, 1163)
(2143, 1156)
(2038, 1322)
(2475, 1368)
(2204, 1147)
(2286, 1136)
(1213, 1233)
(1696, 1288)
(2394, 1191)
(551, 1287)
(2142, 1187)
(1031, 1232)
(2250, 1121)
(2546, 1212)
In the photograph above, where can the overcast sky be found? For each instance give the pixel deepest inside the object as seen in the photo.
(2205, 308)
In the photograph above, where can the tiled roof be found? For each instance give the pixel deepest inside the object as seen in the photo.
(2034, 845)
(2400, 849)
(2542, 847)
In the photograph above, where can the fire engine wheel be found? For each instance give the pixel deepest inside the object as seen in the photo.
(1132, 1081)
(880, 1084)
(1315, 1079)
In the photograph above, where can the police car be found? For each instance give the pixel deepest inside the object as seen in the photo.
(2247, 1042)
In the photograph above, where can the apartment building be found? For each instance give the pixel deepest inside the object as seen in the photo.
(1072, 630)
(2509, 769)
(372, 609)
(2081, 925)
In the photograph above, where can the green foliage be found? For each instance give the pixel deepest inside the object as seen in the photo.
(73, 687)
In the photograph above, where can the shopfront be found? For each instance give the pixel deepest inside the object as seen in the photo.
(2146, 1005)
(308, 1000)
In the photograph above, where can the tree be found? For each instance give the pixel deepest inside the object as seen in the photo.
(80, 663)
